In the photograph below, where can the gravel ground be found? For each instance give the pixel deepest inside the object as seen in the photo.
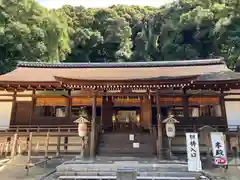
(14, 170)
(233, 173)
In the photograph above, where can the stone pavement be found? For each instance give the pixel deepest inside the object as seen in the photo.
(14, 170)
(107, 167)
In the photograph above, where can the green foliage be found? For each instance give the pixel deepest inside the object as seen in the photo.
(183, 29)
(29, 32)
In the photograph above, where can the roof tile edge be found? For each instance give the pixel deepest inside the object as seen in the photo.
(199, 62)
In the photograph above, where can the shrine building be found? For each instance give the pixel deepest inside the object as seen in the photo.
(125, 97)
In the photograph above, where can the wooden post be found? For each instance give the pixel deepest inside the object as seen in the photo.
(65, 144)
(14, 109)
(160, 127)
(185, 104)
(14, 146)
(29, 147)
(82, 147)
(2, 149)
(223, 108)
(93, 128)
(33, 108)
(69, 110)
(46, 145)
(8, 146)
(58, 146)
(19, 150)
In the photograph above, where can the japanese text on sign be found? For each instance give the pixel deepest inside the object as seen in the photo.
(218, 145)
(193, 145)
(194, 163)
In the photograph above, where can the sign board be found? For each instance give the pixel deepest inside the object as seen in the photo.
(193, 154)
(218, 148)
(131, 137)
(170, 130)
(136, 145)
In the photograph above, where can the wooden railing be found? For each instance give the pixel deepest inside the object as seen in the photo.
(66, 129)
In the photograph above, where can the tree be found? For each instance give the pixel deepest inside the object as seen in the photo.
(183, 29)
(29, 32)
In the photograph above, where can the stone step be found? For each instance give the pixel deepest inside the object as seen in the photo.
(126, 144)
(77, 166)
(102, 141)
(140, 174)
(126, 137)
(126, 149)
(142, 155)
(114, 177)
(119, 144)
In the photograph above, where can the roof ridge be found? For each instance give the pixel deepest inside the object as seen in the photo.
(196, 62)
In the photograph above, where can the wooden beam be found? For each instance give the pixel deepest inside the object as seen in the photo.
(227, 94)
(6, 100)
(102, 93)
(232, 99)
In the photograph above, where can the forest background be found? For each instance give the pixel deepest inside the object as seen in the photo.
(180, 30)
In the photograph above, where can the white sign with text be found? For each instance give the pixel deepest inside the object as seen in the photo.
(193, 153)
(218, 148)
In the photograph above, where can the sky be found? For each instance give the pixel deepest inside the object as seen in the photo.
(101, 3)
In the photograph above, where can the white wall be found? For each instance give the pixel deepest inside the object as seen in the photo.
(5, 114)
(233, 112)
(6, 107)
(233, 109)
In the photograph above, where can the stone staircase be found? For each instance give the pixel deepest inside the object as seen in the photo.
(119, 144)
(146, 169)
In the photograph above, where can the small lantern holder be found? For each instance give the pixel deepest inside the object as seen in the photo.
(170, 131)
(82, 121)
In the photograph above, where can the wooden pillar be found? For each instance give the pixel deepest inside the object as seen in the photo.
(93, 126)
(107, 103)
(69, 107)
(14, 109)
(46, 145)
(33, 107)
(58, 146)
(185, 104)
(29, 147)
(146, 112)
(14, 146)
(160, 127)
(223, 108)
(69, 119)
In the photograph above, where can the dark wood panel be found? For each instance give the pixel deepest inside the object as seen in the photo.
(23, 112)
(52, 121)
(107, 112)
(199, 122)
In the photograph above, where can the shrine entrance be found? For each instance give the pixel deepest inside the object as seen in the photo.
(126, 119)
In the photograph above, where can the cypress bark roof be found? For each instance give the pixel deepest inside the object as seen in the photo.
(45, 72)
